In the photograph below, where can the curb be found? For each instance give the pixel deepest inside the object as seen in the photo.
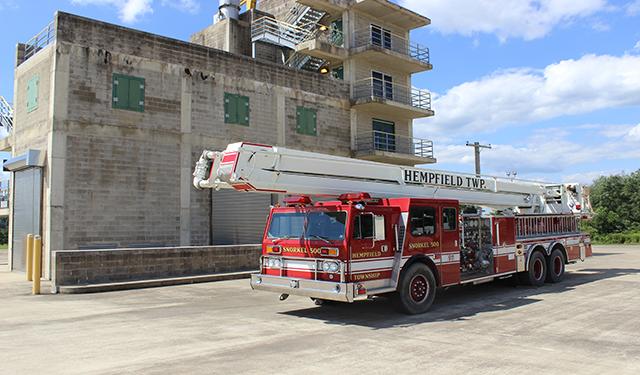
(140, 284)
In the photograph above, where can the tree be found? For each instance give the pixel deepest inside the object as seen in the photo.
(616, 203)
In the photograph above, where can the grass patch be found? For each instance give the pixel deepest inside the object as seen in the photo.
(616, 238)
(4, 246)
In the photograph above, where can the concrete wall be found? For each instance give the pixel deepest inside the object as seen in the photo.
(127, 174)
(85, 267)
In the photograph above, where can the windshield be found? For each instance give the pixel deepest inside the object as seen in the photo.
(320, 225)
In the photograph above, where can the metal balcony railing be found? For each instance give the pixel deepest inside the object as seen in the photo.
(270, 30)
(40, 41)
(371, 88)
(376, 36)
(388, 142)
(330, 35)
(6, 115)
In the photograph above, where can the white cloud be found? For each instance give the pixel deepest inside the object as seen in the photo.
(637, 46)
(634, 133)
(8, 4)
(520, 96)
(587, 177)
(129, 11)
(633, 8)
(526, 19)
(189, 6)
(552, 153)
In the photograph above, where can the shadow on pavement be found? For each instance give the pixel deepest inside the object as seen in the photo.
(455, 303)
(605, 254)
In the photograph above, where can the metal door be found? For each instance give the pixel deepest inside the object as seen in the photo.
(27, 198)
(238, 217)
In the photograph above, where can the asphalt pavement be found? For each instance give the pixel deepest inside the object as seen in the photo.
(588, 324)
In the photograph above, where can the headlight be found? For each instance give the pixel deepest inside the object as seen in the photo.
(330, 267)
(334, 267)
(274, 263)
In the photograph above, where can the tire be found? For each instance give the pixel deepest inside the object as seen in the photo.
(416, 290)
(323, 302)
(536, 271)
(555, 266)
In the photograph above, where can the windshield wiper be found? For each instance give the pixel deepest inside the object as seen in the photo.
(275, 240)
(325, 239)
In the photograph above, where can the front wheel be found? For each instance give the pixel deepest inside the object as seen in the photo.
(416, 290)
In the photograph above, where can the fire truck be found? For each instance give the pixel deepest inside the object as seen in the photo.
(352, 229)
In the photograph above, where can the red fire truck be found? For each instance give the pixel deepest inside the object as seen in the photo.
(378, 229)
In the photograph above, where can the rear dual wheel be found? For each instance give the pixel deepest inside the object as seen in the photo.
(537, 270)
(555, 266)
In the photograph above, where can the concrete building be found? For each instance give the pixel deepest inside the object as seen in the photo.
(108, 121)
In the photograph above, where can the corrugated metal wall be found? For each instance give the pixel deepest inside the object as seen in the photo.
(238, 217)
(27, 195)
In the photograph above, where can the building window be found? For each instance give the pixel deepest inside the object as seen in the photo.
(236, 109)
(32, 93)
(338, 73)
(128, 93)
(423, 221)
(449, 218)
(382, 85)
(384, 135)
(337, 35)
(307, 119)
(380, 37)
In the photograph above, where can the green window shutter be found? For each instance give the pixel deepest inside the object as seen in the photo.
(307, 120)
(236, 109)
(301, 124)
(128, 93)
(230, 108)
(136, 94)
(120, 92)
(243, 110)
(32, 93)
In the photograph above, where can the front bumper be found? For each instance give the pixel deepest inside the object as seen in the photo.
(328, 290)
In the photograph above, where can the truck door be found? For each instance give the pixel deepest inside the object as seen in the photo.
(450, 237)
(372, 246)
(424, 231)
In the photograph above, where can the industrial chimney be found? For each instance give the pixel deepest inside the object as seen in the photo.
(228, 9)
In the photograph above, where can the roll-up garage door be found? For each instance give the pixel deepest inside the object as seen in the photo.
(238, 217)
(27, 194)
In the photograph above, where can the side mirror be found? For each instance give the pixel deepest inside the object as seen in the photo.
(379, 229)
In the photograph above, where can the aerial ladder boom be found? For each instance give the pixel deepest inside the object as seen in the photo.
(261, 168)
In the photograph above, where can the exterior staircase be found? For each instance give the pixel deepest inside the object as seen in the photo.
(6, 115)
(300, 25)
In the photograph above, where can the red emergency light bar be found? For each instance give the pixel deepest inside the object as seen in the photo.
(355, 197)
(297, 200)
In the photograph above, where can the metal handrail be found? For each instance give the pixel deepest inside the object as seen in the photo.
(541, 225)
(389, 142)
(329, 35)
(396, 43)
(283, 31)
(6, 114)
(40, 41)
(377, 88)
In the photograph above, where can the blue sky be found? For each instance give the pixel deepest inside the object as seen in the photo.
(553, 85)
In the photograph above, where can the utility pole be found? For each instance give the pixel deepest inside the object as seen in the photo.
(477, 146)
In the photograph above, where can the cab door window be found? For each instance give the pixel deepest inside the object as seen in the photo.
(422, 221)
(363, 227)
(449, 218)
